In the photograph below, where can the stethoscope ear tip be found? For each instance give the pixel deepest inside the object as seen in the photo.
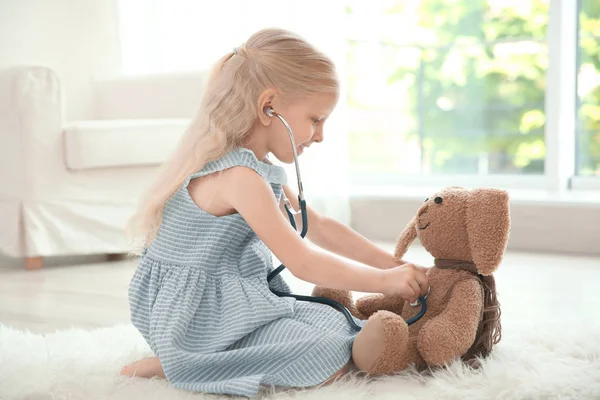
(268, 111)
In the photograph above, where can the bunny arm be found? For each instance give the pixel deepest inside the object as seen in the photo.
(370, 304)
(344, 297)
(450, 334)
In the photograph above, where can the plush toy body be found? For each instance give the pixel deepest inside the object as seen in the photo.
(466, 231)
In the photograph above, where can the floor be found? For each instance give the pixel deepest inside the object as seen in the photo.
(88, 293)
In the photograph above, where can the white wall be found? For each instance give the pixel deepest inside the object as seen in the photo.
(76, 38)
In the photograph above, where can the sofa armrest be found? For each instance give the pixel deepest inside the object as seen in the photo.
(30, 128)
(121, 143)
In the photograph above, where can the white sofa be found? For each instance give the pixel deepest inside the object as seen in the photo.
(69, 187)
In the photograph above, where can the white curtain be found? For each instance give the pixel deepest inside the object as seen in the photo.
(181, 35)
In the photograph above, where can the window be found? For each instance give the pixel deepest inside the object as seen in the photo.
(447, 86)
(489, 92)
(588, 89)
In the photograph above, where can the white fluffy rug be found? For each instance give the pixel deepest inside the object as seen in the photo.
(534, 362)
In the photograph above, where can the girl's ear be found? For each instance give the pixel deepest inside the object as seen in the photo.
(265, 100)
(405, 240)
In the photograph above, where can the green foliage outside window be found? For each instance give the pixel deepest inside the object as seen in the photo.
(463, 87)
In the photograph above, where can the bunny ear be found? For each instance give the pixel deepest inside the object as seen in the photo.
(488, 227)
(404, 241)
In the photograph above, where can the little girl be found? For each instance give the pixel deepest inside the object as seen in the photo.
(200, 296)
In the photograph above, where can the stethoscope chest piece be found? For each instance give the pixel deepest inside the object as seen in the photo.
(417, 302)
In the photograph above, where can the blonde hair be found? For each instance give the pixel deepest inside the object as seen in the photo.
(271, 58)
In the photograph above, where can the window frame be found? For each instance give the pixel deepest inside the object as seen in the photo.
(561, 94)
(585, 183)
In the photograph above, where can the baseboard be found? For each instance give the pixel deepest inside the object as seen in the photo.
(536, 226)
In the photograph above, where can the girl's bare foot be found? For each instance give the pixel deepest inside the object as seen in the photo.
(144, 368)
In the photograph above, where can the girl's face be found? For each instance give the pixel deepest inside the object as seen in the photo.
(306, 117)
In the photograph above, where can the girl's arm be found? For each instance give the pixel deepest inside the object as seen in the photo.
(340, 239)
(252, 197)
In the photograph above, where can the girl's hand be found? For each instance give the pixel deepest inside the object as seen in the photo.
(408, 281)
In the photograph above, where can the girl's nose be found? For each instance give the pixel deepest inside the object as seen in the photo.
(318, 137)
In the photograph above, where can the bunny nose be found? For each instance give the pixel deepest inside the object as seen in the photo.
(423, 210)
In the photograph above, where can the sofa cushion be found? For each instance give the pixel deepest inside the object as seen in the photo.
(121, 143)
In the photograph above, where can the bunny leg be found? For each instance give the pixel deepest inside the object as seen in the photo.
(383, 346)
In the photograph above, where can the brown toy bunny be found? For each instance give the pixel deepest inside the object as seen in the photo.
(467, 233)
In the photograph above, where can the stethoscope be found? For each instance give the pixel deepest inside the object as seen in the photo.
(291, 212)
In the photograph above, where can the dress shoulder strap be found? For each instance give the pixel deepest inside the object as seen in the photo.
(241, 156)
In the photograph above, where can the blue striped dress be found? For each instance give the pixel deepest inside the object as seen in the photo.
(201, 300)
